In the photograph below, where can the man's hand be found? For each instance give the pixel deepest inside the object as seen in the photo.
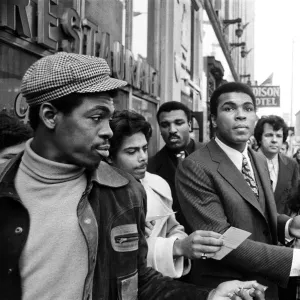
(197, 243)
(149, 225)
(294, 227)
(238, 290)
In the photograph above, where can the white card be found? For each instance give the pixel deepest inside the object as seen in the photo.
(233, 237)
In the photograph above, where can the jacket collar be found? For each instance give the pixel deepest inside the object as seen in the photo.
(157, 184)
(109, 176)
(283, 159)
(104, 175)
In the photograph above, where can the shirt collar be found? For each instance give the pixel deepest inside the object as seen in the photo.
(235, 156)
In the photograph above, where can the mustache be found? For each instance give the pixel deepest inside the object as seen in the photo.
(171, 135)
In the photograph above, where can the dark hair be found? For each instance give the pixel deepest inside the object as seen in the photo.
(295, 156)
(65, 104)
(287, 145)
(125, 123)
(13, 131)
(229, 87)
(174, 105)
(275, 121)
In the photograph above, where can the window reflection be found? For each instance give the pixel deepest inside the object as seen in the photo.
(13, 64)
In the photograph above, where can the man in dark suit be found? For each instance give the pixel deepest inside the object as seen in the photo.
(174, 120)
(270, 133)
(224, 184)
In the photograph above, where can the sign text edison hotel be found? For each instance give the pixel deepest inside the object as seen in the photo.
(267, 96)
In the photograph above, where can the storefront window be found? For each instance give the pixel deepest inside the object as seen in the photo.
(13, 64)
(121, 100)
(148, 110)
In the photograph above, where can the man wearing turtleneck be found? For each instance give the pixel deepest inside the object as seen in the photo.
(174, 120)
(51, 192)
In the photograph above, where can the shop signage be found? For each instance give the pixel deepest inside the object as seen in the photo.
(267, 96)
(46, 23)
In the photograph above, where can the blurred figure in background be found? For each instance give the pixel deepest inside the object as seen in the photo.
(13, 135)
(252, 143)
(284, 148)
(271, 132)
(296, 156)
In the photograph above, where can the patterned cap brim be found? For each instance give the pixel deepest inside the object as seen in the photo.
(105, 85)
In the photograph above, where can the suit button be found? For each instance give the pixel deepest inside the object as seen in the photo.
(18, 230)
(9, 271)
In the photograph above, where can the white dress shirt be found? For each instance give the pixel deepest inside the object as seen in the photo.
(237, 157)
(273, 166)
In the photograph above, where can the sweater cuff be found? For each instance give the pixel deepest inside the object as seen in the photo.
(163, 258)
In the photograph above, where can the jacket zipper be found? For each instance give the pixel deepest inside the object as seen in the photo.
(126, 239)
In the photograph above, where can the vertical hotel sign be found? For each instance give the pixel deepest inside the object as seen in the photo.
(48, 24)
(267, 96)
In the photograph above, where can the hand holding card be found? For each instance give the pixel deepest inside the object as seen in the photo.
(232, 238)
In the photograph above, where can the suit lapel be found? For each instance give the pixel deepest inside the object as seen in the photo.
(262, 170)
(232, 175)
(284, 175)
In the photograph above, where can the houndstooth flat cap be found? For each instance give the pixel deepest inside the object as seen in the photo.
(61, 74)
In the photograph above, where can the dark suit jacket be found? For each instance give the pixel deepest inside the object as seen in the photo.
(287, 184)
(214, 196)
(163, 165)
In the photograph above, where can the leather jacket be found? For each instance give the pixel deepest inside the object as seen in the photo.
(112, 218)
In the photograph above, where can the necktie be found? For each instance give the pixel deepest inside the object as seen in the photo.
(273, 174)
(180, 156)
(248, 176)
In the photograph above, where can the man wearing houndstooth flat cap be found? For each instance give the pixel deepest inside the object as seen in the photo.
(72, 227)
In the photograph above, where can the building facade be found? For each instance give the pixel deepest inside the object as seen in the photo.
(228, 47)
(165, 49)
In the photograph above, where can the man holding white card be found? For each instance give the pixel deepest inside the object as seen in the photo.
(169, 247)
(225, 184)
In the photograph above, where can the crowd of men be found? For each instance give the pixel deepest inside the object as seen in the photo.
(85, 215)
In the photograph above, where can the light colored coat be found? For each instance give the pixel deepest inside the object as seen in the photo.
(165, 231)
